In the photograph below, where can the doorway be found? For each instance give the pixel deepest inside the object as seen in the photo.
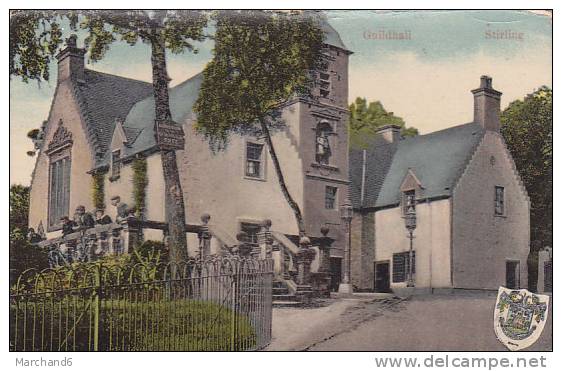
(382, 276)
(335, 271)
(512, 274)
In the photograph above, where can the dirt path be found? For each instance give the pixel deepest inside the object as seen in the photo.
(422, 323)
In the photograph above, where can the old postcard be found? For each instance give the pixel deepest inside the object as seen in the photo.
(281, 180)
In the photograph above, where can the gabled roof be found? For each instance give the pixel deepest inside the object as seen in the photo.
(139, 122)
(437, 159)
(104, 98)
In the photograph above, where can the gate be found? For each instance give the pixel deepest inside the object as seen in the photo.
(215, 305)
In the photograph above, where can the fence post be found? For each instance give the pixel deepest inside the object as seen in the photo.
(233, 314)
(97, 307)
(265, 241)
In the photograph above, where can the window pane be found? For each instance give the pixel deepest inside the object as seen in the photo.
(251, 230)
(253, 159)
(59, 192)
(330, 197)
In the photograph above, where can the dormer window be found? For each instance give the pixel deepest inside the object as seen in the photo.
(409, 202)
(323, 149)
(116, 164)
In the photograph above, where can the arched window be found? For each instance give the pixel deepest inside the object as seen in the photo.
(323, 149)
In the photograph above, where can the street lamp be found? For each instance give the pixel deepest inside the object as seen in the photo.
(346, 214)
(410, 221)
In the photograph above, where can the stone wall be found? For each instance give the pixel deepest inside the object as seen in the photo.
(483, 242)
(431, 242)
(64, 107)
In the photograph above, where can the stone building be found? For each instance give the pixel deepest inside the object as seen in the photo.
(100, 123)
(471, 208)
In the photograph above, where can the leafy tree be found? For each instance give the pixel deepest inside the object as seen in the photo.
(262, 59)
(35, 37)
(19, 211)
(22, 255)
(527, 129)
(162, 30)
(365, 119)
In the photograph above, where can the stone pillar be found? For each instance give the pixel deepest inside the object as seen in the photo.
(265, 241)
(324, 245)
(303, 259)
(545, 256)
(204, 237)
(130, 234)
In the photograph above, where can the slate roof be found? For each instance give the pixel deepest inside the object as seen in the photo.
(437, 159)
(332, 37)
(139, 122)
(104, 98)
(109, 97)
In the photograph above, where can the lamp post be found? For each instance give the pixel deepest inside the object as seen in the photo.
(346, 214)
(410, 221)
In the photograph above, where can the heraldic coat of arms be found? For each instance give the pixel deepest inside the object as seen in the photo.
(519, 317)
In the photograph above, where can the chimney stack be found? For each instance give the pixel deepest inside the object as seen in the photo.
(390, 133)
(487, 105)
(71, 61)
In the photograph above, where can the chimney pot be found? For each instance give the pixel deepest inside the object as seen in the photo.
(71, 61)
(487, 105)
(390, 133)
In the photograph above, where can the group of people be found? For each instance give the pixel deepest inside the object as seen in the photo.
(84, 220)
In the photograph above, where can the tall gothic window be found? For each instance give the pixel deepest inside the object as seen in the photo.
(59, 154)
(59, 189)
(323, 150)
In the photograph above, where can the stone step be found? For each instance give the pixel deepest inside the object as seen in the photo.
(284, 297)
(286, 303)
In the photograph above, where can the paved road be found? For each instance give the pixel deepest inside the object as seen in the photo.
(422, 323)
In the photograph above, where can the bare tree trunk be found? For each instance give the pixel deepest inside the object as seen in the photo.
(281, 178)
(175, 209)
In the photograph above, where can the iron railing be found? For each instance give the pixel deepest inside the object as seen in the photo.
(216, 305)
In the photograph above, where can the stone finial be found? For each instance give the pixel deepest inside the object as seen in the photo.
(242, 236)
(267, 223)
(304, 241)
(205, 218)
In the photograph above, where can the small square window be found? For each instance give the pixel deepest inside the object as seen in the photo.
(254, 162)
(252, 231)
(331, 197)
(499, 201)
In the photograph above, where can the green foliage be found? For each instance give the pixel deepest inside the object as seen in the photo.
(140, 182)
(24, 256)
(35, 36)
(365, 119)
(19, 211)
(261, 60)
(527, 129)
(179, 29)
(156, 324)
(98, 193)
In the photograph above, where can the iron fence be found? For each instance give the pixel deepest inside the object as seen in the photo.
(216, 305)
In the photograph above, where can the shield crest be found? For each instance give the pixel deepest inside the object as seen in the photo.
(519, 317)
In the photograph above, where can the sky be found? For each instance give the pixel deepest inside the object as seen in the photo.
(425, 77)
